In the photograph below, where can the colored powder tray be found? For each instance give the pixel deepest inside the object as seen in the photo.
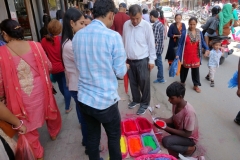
(144, 125)
(149, 140)
(124, 146)
(134, 145)
(130, 127)
(159, 156)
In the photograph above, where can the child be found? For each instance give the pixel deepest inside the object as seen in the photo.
(184, 123)
(214, 58)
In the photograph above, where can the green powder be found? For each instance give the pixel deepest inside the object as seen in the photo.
(149, 142)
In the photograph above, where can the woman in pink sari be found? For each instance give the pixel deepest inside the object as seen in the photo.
(25, 84)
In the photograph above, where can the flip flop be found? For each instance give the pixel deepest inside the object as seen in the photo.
(67, 111)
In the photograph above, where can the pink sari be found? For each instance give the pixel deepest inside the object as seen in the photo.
(25, 106)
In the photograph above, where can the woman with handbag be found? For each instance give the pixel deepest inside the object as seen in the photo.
(190, 53)
(52, 46)
(25, 84)
(174, 34)
(7, 144)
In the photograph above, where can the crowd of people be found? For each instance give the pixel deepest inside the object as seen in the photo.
(85, 53)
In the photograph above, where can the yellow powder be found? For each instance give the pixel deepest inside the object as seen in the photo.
(123, 145)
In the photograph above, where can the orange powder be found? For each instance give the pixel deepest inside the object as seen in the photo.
(134, 145)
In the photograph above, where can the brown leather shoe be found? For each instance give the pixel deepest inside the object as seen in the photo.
(198, 90)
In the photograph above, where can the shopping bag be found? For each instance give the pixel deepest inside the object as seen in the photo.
(126, 82)
(7, 129)
(233, 82)
(179, 68)
(24, 150)
(174, 67)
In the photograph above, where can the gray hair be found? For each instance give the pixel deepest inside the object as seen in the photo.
(135, 9)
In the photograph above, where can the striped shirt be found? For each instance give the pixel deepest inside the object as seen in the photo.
(158, 31)
(100, 57)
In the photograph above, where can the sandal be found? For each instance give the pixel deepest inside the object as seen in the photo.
(198, 90)
(212, 84)
(69, 110)
(53, 138)
(207, 78)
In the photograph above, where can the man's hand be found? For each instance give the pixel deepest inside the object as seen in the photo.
(150, 66)
(238, 92)
(128, 66)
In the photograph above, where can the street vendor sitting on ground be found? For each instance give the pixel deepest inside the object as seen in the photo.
(182, 125)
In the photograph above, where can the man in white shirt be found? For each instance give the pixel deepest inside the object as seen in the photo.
(139, 44)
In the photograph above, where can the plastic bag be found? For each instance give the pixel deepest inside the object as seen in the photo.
(179, 68)
(24, 150)
(174, 67)
(233, 82)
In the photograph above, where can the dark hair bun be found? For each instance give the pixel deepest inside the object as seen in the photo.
(12, 28)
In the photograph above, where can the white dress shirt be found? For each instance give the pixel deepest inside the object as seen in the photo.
(139, 41)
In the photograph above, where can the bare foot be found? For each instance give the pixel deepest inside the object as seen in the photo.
(190, 151)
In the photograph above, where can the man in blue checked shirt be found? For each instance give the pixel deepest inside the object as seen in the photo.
(100, 58)
(158, 31)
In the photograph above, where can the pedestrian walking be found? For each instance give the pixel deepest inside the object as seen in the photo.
(25, 84)
(73, 21)
(139, 44)
(174, 34)
(214, 59)
(88, 20)
(164, 21)
(52, 46)
(158, 31)
(145, 15)
(235, 18)
(100, 57)
(183, 124)
(190, 53)
(120, 18)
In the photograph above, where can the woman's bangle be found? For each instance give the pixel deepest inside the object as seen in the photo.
(18, 126)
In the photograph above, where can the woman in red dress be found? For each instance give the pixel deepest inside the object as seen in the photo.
(190, 53)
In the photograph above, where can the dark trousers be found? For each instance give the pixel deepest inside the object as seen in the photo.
(177, 144)
(81, 119)
(62, 85)
(139, 76)
(238, 117)
(110, 119)
(195, 75)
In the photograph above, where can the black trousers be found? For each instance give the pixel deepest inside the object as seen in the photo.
(177, 144)
(238, 117)
(111, 120)
(195, 75)
(139, 76)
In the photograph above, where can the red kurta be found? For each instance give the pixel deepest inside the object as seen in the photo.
(191, 58)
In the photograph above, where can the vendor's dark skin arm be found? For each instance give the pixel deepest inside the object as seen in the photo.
(238, 91)
(183, 133)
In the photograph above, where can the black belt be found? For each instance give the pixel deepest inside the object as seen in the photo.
(135, 60)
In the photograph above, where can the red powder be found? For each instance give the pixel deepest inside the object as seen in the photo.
(130, 126)
(135, 145)
(160, 123)
(143, 124)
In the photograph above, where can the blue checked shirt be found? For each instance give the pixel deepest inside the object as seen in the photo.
(158, 31)
(100, 57)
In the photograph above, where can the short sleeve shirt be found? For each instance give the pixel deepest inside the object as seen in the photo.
(186, 120)
(214, 58)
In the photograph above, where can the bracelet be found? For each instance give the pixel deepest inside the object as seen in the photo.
(18, 126)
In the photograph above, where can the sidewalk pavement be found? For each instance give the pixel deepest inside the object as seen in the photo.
(68, 145)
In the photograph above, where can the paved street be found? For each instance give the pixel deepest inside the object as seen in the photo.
(216, 108)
